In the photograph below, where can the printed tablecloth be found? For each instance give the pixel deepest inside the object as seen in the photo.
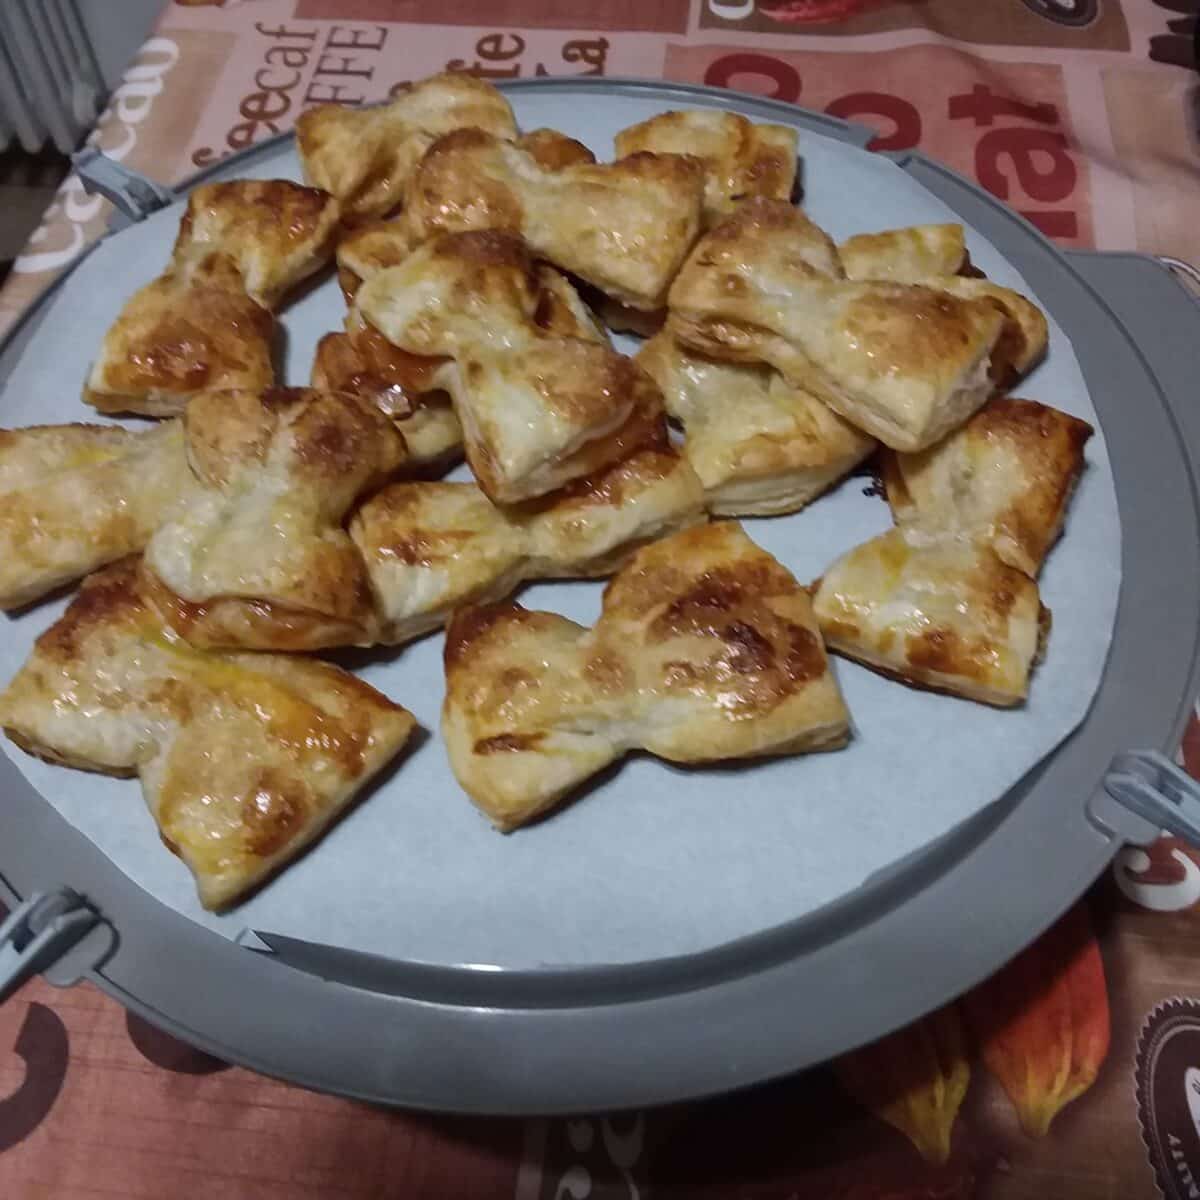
(1075, 1072)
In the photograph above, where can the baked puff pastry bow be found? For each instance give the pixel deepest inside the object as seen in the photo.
(364, 156)
(206, 323)
(905, 363)
(706, 649)
(244, 759)
(76, 497)
(948, 599)
(258, 557)
(537, 408)
(624, 227)
(740, 158)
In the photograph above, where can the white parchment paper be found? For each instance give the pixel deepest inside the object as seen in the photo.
(656, 860)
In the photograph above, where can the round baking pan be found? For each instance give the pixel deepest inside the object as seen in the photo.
(563, 1040)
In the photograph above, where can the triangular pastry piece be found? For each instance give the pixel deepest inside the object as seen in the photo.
(905, 363)
(740, 158)
(1005, 478)
(244, 759)
(432, 547)
(623, 227)
(364, 156)
(259, 557)
(706, 649)
(537, 409)
(193, 329)
(939, 610)
(760, 445)
(75, 497)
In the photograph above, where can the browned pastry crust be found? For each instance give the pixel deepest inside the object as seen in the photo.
(364, 156)
(760, 445)
(193, 329)
(948, 598)
(905, 363)
(740, 158)
(258, 557)
(1006, 477)
(244, 759)
(205, 324)
(75, 497)
(706, 649)
(538, 409)
(432, 547)
(624, 227)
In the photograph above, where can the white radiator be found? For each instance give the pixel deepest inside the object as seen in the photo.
(51, 86)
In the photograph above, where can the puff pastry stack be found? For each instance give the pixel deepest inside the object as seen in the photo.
(260, 523)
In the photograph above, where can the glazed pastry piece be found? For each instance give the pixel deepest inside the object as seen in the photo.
(405, 386)
(432, 547)
(537, 409)
(1005, 478)
(904, 363)
(760, 445)
(205, 324)
(937, 610)
(362, 362)
(936, 256)
(244, 759)
(75, 497)
(364, 156)
(553, 150)
(258, 558)
(624, 227)
(706, 649)
(740, 158)
(193, 329)
(910, 255)
(275, 231)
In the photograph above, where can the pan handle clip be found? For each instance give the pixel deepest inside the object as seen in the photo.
(1149, 784)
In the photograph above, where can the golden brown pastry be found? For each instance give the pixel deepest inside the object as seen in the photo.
(193, 329)
(537, 409)
(905, 363)
(760, 445)
(244, 759)
(432, 547)
(947, 599)
(624, 227)
(939, 610)
(75, 497)
(936, 256)
(910, 255)
(205, 324)
(258, 557)
(1005, 478)
(706, 649)
(364, 363)
(364, 156)
(276, 231)
(740, 158)
(553, 150)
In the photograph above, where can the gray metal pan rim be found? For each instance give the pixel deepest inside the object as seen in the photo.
(605, 1038)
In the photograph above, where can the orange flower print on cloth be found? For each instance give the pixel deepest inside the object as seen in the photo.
(914, 1079)
(1042, 1021)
